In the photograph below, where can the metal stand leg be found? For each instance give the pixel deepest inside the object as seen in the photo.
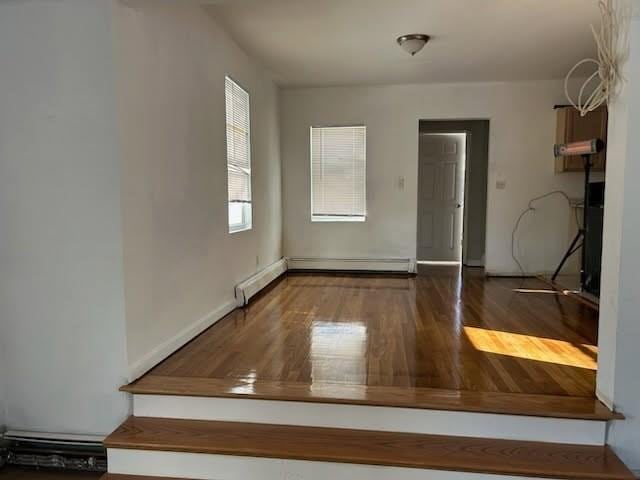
(574, 247)
(570, 251)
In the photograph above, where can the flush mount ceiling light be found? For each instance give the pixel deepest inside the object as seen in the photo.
(413, 42)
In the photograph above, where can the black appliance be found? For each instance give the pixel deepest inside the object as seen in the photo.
(592, 259)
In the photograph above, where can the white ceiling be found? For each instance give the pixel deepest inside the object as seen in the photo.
(346, 42)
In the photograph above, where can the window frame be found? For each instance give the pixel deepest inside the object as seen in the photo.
(247, 209)
(345, 218)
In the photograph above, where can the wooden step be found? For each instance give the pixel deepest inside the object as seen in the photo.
(556, 406)
(436, 452)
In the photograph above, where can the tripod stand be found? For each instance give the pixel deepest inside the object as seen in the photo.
(582, 229)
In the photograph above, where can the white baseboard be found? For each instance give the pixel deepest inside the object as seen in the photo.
(165, 349)
(406, 265)
(474, 263)
(604, 399)
(251, 286)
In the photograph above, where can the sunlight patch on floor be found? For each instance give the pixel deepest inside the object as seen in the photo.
(530, 347)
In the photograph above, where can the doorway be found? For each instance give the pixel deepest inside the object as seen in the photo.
(442, 158)
(452, 191)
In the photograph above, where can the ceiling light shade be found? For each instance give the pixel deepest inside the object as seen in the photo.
(413, 43)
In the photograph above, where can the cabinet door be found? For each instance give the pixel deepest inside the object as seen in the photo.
(574, 128)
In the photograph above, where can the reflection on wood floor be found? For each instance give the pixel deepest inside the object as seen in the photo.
(443, 329)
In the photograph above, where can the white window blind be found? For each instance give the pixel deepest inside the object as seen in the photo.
(338, 173)
(238, 156)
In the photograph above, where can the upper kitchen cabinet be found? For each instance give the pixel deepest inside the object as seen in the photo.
(571, 127)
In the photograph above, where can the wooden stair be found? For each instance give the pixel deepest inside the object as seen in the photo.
(389, 449)
(552, 406)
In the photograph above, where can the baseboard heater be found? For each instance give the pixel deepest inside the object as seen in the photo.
(40, 450)
(252, 285)
(401, 265)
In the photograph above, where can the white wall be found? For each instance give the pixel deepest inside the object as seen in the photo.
(619, 333)
(181, 264)
(522, 134)
(61, 289)
(3, 405)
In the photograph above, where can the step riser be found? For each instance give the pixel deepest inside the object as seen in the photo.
(225, 467)
(362, 417)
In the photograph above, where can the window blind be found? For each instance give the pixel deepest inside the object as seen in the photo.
(238, 156)
(338, 173)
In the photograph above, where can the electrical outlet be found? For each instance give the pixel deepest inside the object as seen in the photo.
(401, 183)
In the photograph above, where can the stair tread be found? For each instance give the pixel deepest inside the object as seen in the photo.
(437, 452)
(556, 406)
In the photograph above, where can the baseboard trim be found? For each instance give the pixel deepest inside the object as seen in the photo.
(473, 263)
(253, 285)
(604, 399)
(406, 265)
(165, 349)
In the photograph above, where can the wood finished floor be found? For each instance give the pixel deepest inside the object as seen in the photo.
(439, 330)
(502, 457)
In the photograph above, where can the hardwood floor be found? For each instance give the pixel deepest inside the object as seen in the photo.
(506, 457)
(437, 330)
(555, 406)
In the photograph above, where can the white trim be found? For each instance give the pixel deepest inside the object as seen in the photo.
(49, 437)
(251, 286)
(474, 263)
(166, 348)
(339, 219)
(202, 466)
(604, 399)
(413, 265)
(367, 417)
(364, 264)
(440, 263)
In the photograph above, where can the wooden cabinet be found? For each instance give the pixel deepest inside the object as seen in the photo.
(571, 127)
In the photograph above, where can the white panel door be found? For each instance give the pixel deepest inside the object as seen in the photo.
(440, 196)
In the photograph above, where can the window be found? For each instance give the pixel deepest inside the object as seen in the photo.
(338, 174)
(238, 156)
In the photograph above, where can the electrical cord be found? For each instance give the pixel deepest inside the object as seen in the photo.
(607, 39)
(531, 208)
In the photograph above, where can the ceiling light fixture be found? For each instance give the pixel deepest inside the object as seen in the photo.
(413, 42)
